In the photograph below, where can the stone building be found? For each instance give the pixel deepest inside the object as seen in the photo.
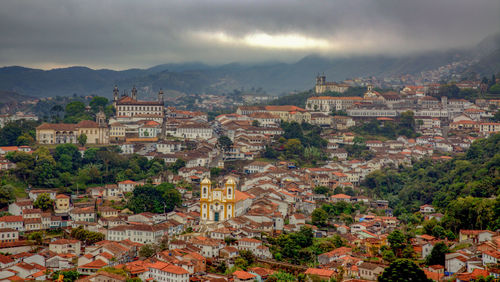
(129, 106)
(323, 86)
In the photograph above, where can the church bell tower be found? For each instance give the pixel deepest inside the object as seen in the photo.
(160, 96)
(134, 93)
(116, 92)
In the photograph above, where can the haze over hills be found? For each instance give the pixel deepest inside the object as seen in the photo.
(273, 77)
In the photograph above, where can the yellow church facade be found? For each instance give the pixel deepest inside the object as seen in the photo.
(217, 203)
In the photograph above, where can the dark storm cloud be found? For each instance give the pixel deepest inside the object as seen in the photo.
(121, 34)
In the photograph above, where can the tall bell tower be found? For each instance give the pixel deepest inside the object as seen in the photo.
(205, 192)
(134, 93)
(160, 96)
(116, 93)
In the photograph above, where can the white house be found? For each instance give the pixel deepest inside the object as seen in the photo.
(161, 271)
(138, 233)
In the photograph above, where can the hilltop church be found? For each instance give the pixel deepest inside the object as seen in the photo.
(129, 108)
(322, 86)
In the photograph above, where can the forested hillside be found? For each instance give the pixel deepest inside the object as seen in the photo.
(466, 188)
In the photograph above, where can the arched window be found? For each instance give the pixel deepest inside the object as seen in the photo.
(204, 190)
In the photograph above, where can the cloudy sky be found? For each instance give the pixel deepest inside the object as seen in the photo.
(141, 33)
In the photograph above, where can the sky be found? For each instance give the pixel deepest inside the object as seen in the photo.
(142, 33)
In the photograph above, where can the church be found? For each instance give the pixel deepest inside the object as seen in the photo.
(130, 108)
(217, 203)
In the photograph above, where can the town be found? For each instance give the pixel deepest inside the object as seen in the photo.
(138, 190)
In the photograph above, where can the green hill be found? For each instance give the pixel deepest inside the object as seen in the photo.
(464, 187)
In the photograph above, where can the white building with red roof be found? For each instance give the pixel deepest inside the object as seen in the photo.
(162, 271)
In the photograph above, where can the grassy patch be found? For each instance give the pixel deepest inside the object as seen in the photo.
(460, 246)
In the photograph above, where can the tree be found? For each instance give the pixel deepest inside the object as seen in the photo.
(294, 148)
(437, 255)
(179, 163)
(388, 255)
(496, 117)
(69, 275)
(292, 130)
(215, 171)
(18, 132)
(37, 237)
(98, 103)
(44, 202)
(82, 139)
(156, 199)
(397, 241)
(245, 259)
(312, 154)
(75, 112)
(147, 251)
(230, 241)
(403, 270)
(225, 143)
(319, 217)
(338, 241)
(56, 111)
(407, 120)
(25, 140)
(281, 276)
(270, 153)
(255, 123)
(321, 190)
(495, 89)
(88, 237)
(6, 195)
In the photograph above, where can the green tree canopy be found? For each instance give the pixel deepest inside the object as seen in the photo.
(437, 255)
(6, 195)
(69, 275)
(20, 132)
(82, 139)
(147, 251)
(44, 202)
(403, 270)
(155, 199)
(98, 103)
(179, 163)
(321, 190)
(319, 217)
(88, 237)
(225, 142)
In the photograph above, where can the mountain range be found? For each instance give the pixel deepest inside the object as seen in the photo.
(272, 77)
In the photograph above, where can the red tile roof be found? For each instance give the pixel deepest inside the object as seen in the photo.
(243, 275)
(96, 264)
(320, 272)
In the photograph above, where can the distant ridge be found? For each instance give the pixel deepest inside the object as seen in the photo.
(7, 97)
(273, 77)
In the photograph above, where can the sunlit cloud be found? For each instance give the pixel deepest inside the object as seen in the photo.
(269, 41)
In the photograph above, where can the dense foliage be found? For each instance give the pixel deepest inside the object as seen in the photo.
(156, 199)
(65, 166)
(44, 202)
(461, 187)
(300, 247)
(68, 275)
(300, 142)
(21, 132)
(403, 126)
(87, 237)
(403, 270)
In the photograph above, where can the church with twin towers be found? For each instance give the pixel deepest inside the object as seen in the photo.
(130, 106)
